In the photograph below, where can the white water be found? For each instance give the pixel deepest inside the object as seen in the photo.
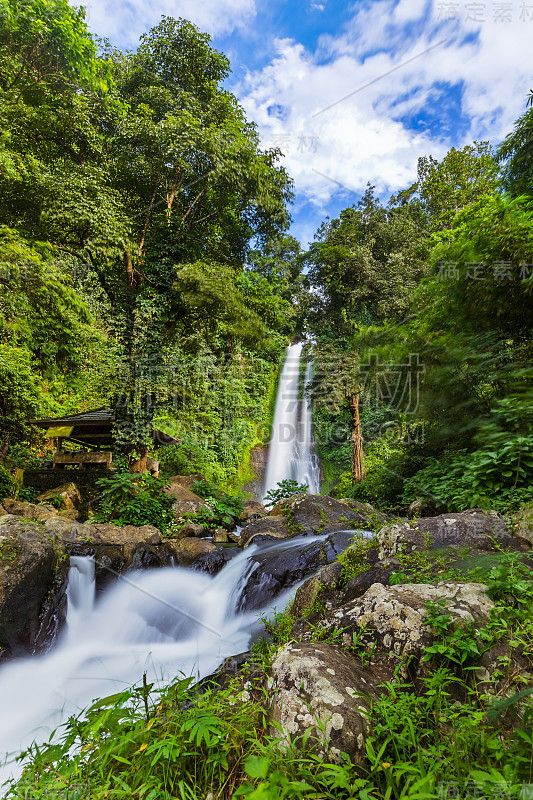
(291, 453)
(161, 622)
(307, 467)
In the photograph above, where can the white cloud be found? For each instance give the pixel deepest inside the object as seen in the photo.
(123, 21)
(363, 138)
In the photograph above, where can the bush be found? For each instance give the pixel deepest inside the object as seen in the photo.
(285, 489)
(134, 499)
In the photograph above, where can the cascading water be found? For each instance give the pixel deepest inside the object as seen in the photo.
(161, 622)
(80, 591)
(291, 454)
(308, 470)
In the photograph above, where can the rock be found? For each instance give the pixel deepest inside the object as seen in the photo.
(67, 492)
(313, 514)
(33, 573)
(314, 685)
(220, 536)
(233, 536)
(279, 568)
(252, 510)
(422, 508)
(263, 530)
(187, 481)
(474, 529)
(185, 502)
(198, 554)
(3, 512)
(115, 548)
(366, 509)
(391, 619)
(360, 583)
(326, 579)
(523, 523)
(29, 510)
(72, 514)
(192, 529)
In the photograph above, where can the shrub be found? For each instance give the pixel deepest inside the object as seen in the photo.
(134, 499)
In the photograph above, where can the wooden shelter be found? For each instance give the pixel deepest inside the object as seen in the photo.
(91, 429)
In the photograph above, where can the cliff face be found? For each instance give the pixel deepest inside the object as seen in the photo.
(258, 464)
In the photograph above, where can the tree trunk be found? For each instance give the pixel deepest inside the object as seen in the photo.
(356, 440)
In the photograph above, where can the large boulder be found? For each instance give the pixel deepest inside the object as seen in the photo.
(392, 619)
(326, 580)
(475, 529)
(33, 576)
(185, 501)
(311, 514)
(116, 548)
(276, 568)
(187, 481)
(67, 493)
(29, 510)
(523, 523)
(315, 686)
(198, 554)
(265, 529)
(252, 510)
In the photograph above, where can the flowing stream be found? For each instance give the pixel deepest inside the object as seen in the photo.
(162, 622)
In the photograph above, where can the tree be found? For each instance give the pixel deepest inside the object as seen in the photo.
(363, 269)
(460, 179)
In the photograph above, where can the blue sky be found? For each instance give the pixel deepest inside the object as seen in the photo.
(356, 92)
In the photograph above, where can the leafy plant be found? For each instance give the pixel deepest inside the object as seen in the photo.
(134, 499)
(285, 489)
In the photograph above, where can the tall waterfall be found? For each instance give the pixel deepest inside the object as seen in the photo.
(291, 454)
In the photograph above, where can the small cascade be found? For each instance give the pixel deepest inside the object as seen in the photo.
(291, 454)
(80, 592)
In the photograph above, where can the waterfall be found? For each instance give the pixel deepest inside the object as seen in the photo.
(162, 622)
(308, 470)
(80, 592)
(291, 454)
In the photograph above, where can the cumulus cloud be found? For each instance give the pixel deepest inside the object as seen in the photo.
(343, 113)
(124, 21)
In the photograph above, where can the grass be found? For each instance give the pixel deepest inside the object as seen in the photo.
(450, 734)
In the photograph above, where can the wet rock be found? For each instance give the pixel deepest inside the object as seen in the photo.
(474, 529)
(29, 510)
(185, 501)
(252, 510)
(263, 530)
(198, 554)
(315, 686)
(68, 493)
(33, 576)
(326, 580)
(523, 523)
(280, 567)
(391, 619)
(311, 514)
(358, 585)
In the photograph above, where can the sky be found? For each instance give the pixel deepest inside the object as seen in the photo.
(355, 92)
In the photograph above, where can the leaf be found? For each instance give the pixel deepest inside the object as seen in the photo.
(257, 766)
